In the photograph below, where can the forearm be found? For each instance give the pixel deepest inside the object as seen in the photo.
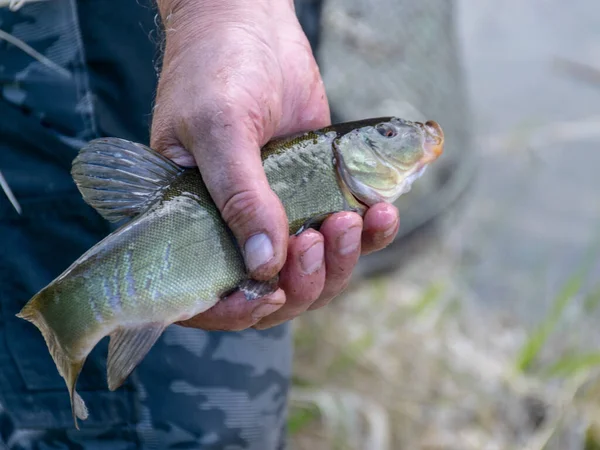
(210, 27)
(181, 10)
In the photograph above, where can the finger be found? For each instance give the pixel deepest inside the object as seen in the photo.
(235, 313)
(302, 277)
(381, 223)
(342, 233)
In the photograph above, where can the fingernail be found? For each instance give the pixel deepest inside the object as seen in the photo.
(264, 310)
(349, 241)
(312, 258)
(258, 250)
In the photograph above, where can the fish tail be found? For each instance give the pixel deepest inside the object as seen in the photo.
(68, 368)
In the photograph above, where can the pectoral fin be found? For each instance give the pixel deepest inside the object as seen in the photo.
(127, 348)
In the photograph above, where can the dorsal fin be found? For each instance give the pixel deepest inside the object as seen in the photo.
(121, 179)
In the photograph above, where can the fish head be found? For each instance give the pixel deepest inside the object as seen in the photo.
(379, 161)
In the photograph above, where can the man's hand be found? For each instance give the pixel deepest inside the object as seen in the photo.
(235, 74)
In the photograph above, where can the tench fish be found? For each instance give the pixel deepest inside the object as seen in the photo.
(176, 257)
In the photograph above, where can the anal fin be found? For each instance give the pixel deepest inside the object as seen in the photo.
(128, 346)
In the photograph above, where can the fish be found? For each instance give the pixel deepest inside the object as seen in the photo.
(172, 256)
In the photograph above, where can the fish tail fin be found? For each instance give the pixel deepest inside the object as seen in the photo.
(120, 178)
(68, 368)
(127, 347)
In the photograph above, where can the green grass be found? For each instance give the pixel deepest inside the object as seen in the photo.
(592, 300)
(564, 298)
(300, 418)
(430, 298)
(539, 336)
(573, 364)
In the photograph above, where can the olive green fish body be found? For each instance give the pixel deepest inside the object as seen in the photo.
(176, 257)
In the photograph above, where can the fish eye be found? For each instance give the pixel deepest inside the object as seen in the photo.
(385, 130)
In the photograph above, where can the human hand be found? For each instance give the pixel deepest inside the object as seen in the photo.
(236, 74)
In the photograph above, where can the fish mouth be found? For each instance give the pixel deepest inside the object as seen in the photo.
(434, 141)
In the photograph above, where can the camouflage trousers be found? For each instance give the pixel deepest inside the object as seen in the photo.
(195, 389)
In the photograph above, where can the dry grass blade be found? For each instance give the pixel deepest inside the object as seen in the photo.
(9, 193)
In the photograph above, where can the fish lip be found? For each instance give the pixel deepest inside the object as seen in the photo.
(434, 141)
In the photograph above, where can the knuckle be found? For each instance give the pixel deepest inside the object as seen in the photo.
(241, 208)
(196, 124)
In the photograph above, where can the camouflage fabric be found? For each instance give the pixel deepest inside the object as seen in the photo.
(195, 389)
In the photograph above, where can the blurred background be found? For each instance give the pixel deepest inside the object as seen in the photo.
(478, 329)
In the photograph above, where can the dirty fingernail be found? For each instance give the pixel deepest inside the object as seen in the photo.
(349, 241)
(264, 310)
(258, 250)
(312, 258)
